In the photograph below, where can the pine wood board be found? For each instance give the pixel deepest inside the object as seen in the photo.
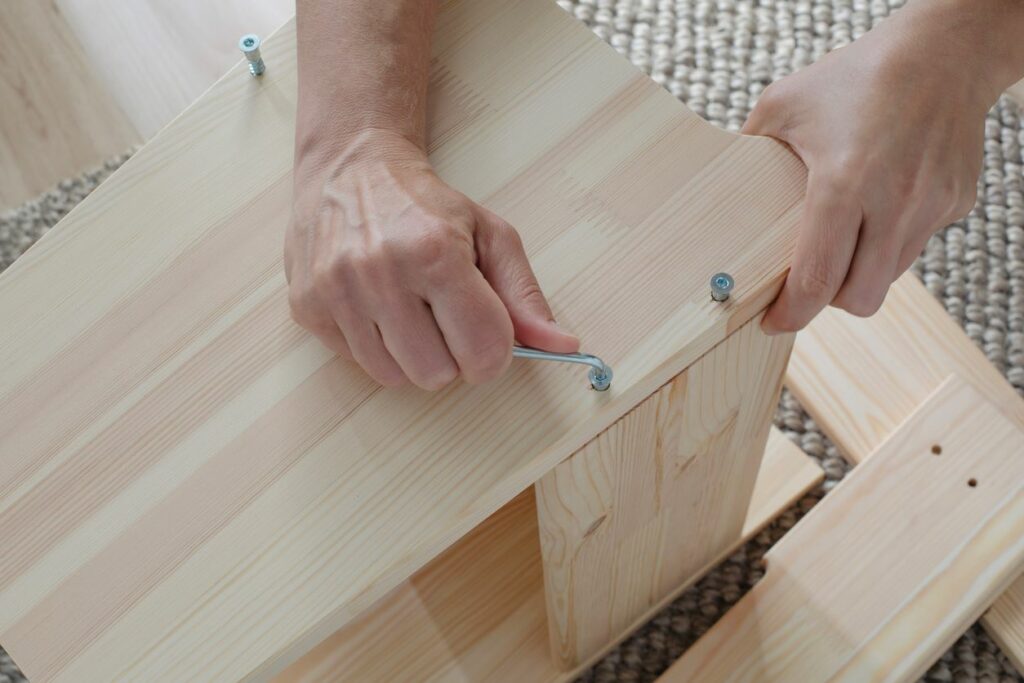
(874, 584)
(155, 57)
(56, 118)
(229, 493)
(860, 378)
(646, 505)
(477, 612)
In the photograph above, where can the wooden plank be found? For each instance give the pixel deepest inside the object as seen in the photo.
(218, 469)
(860, 378)
(477, 613)
(875, 584)
(156, 57)
(650, 502)
(56, 119)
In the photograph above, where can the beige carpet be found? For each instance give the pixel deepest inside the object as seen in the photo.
(717, 57)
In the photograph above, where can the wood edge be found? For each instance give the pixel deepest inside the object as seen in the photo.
(949, 383)
(1005, 618)
(755, 522)
(995, 620)
(778, 467)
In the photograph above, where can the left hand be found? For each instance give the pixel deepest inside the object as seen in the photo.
(891, 129)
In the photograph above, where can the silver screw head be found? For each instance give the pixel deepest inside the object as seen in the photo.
(249, 44)
(721, 286)
(600, 380)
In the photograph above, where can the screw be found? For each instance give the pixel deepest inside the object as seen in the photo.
(600, 374)
(721, 286)
(249, 44)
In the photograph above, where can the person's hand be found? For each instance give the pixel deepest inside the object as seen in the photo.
(389, 266)
(891, 129)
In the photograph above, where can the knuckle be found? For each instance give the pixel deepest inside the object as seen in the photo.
(488, 359)
(325, 278)
(300, 306)
(816, 281)
(432, 246)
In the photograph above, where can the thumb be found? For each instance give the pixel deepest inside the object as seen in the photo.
(503, 262)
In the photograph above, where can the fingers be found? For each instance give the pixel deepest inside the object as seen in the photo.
(829, 229)
(502, 261)
(414, 340)
(318, 320)
(872, 270)
(475, 324)
(367, 345)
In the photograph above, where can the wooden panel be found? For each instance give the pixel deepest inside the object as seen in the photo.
(860, 379)
(645, 506)
(875, 584)
(155, 57)
(56, 119)
(218, 469)
(476, 612)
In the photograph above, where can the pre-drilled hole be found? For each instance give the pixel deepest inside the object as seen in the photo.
(937, 449)
(972, 482)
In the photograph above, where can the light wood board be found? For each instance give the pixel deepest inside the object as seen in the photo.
(891, 567)
(655, 498)
(860, 378)
(476, 613)
(56, 118)
(230, 494)
(155, 57)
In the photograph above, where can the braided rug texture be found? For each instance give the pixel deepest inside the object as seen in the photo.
(717, 57)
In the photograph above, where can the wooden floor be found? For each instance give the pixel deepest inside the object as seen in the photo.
(55, 119)
(83, 80)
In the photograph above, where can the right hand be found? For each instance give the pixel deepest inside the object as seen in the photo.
(390, 267)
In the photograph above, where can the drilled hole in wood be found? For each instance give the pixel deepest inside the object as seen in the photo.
(937, 449)
(972, 482)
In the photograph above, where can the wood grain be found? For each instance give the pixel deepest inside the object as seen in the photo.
(873, 585)
(192, 483)
(56, 118)
(650, 502)
(860, 379)
(156, 57)
(477, 612)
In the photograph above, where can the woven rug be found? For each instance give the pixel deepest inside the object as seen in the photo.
(717, 57)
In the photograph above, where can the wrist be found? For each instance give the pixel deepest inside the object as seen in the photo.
(969, 40)
(341, 152)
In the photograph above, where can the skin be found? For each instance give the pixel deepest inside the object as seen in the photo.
(394, 269)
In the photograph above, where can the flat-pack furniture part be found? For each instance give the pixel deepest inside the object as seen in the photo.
(191, 483)
(892, 566)
(477, 612)
(860, 379)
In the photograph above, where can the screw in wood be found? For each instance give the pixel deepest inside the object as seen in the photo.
(721, 286)
(249, 44)
(600, 374)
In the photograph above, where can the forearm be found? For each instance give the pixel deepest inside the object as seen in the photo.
(983, 39)
(363, 65)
